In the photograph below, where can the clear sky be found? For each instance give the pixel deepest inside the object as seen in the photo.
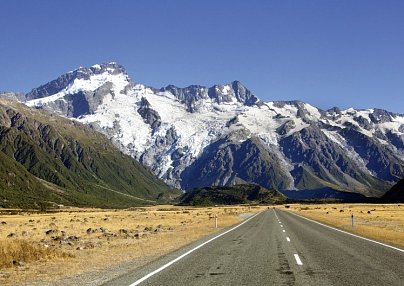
(345, 53)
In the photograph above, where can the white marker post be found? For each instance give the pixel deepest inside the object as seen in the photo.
(215, 220)
(352, 220)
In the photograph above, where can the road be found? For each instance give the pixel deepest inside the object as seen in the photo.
(276, 248)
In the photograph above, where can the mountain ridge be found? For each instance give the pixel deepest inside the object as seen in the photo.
(75, 164)
(172, 130)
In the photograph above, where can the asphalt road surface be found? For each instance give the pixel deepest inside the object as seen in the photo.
(276, 248)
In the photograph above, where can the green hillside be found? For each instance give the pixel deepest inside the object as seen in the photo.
(47, 158)
(238, 194)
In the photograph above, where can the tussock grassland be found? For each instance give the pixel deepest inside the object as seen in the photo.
(80, 244)
(382, 222)
(17, 252)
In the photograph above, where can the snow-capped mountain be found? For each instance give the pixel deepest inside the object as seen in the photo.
(198, 136)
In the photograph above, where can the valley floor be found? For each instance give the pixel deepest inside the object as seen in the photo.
(91, 246)
(382, 222)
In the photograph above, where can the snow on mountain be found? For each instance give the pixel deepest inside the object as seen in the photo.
(181, 133)
(79, 84)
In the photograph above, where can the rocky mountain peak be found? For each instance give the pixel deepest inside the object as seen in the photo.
(81, 91)
(380, 116)
(234, 92)
(112, 68)
(243, 94)
(67, 79)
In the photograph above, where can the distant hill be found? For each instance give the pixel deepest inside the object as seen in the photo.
(326, 194)
(238, 194)
(395, 194)
(46, 160)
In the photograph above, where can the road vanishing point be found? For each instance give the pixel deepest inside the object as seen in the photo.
(275, 248)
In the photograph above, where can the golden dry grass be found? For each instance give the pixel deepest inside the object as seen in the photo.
(77, 241)
(17, 252)
(382, 222)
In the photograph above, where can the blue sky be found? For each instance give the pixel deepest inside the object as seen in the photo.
(346, 53)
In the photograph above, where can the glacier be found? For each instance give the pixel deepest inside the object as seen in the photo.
(198, 136)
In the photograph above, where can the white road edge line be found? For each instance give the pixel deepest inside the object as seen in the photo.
(298, 261)
(357, 236)
(288, 239)
(187, 253)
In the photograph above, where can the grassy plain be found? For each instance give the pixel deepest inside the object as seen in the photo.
(73, 245)
(382, 222)
(78, 246)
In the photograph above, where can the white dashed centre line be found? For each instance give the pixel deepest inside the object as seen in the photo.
(283, 230)
(298, 261)
(288, 239)
(281, 225)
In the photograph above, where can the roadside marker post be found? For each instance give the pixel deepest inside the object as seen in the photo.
(352, 220)
(215, 220)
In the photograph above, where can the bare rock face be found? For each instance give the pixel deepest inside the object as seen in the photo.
(12, 96)
(192, 95)
(149, 115)
(286, 127)
(229, 161)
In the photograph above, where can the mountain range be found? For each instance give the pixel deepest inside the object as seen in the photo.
(223, 135)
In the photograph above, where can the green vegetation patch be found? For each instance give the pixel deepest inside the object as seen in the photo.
(238, 194)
